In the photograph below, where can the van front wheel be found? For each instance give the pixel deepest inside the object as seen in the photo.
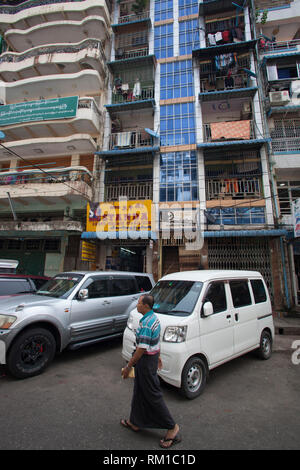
(193, 378)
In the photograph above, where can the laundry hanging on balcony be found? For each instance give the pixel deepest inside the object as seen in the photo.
(124, 139)
(230, 130)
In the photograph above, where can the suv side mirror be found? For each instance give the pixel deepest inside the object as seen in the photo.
(208, 309)
(83, 294)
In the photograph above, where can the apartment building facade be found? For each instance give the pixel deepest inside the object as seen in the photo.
(53, 77)
(186, 130)
(279, 58)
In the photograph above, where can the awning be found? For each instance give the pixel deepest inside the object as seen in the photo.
(211, 52)
(119, 65)
(132, 235)
(245, 233)
(233, 143)
(230, 93)
(130, 105)
(129, 151)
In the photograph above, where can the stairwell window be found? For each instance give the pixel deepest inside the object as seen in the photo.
(187, 7)
(163, 10)
(163, 41)
(176, 80)
(188, 36)
(177, 124)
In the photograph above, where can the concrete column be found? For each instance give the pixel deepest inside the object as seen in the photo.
(175, 29)
(75, 160)
(14, 163)
(266, 187)
(248, 36)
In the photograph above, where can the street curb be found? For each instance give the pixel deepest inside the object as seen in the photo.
(287, 330)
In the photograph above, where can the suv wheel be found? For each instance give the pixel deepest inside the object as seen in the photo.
(31, 353)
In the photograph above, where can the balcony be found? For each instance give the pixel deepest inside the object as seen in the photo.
(233, 188)
(53, 59)
(35, 12)
(128, 15)
(133, 191)
(130, 139)
(43, 87)
(88, 119)
(32, 185)
(235, 86)
(286, 136)
(207, 7)
(76, 31)
(124, 94)
(127, 45)
(230, 134)
(273, 47)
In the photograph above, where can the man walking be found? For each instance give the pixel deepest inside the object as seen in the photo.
(148, 409)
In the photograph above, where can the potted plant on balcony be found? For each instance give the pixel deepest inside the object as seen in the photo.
(139, 6)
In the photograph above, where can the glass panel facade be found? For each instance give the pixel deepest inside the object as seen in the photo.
(177, 124)
(176, 80)
(187, 7)
(163, 41)
(163, 10)
(178, 176)
(238, 215)
(188, 36)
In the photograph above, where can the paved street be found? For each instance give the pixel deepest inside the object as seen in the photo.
(78, 402)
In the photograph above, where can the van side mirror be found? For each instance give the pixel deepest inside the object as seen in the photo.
(83, 294)
(208, 309)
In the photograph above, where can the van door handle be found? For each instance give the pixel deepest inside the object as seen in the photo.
(236, 316)
(106, 302)
(228, 316)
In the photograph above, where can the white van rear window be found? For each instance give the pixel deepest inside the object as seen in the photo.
(259, 291)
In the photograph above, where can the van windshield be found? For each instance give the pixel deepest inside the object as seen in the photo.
(60, 286)
(176, 297)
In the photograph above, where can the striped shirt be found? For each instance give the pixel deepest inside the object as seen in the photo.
(148, 333)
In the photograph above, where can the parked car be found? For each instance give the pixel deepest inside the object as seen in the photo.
(207, 318)
(12, 284)
(8, 265)
(72, 310)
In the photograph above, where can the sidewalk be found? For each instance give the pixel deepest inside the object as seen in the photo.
(287, 324)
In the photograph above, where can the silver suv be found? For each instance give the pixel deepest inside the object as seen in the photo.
(71, 310)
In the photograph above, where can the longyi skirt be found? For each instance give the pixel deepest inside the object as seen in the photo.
(148, 409)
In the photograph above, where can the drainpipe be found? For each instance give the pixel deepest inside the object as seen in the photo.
(260, 91)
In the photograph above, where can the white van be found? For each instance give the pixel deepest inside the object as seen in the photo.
(207, 318)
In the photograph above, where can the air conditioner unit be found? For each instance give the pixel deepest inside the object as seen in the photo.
(279, 98)
(246, 109)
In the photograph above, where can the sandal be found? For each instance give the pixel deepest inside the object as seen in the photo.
(174, 440)
(126, 424)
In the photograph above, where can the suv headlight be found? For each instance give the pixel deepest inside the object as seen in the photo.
(175, 334)
(6, 321)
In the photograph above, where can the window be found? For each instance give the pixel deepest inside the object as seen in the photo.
(176, 297)
(14, 286)
(187, 7)
(163, 41)
(238, 215)
(258, 291)
(163, 10)
(188, 36)
(217, 296)
(39, 282)
(97, 287)
(176, 80)
(178, 176)
(288, 191)
(240, 293)
(123, 286)
(144, 283)
(177, 124)
(14, 244)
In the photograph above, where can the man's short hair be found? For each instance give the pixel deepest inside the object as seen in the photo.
(148, 299)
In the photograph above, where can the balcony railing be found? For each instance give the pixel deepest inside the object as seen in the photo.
(53, 176)
(225, 83)
(133, 17)
(133, 191)
(94, 44)
(12, 9)
(130, 54)
(229, 130)
(286, 136)
(233, 188)
(129, 41)
(125, 95)
(130, 139)
(268, 46)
